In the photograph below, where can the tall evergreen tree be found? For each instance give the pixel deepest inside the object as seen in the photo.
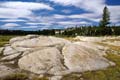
(105, 17)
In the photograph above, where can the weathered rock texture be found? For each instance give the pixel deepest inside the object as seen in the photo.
(4, 70)
(54, 56)
(79, 58)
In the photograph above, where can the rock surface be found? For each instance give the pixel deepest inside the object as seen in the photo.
(28, 42)
(96, 49)
(8, 50)
(55, 56)
(45, 61)
(79, 59)
(95, 39)
(4, 70)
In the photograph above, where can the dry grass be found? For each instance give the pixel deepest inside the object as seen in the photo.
(111, 73)
(111, 40)
(4, 39)
(112, 47)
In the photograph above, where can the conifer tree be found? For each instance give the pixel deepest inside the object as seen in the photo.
(105, 17)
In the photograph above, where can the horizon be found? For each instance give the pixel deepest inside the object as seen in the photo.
(54, 14)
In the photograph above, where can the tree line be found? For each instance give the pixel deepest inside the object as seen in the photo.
(74, 31)
(92, 31)
(22, 32)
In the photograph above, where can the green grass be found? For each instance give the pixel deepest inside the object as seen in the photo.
(111, 73)
(72, 76)
(43, 78)
(22, 76)
(16, 76)
(4, 39)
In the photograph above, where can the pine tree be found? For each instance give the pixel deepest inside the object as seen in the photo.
(105, 17)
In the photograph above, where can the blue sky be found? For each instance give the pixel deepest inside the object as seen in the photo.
(54, 14)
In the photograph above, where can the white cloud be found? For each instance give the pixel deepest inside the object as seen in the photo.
(115, 13)
(72, 20)
(39, 23)
(73, 23)
(58, 16)
(14, 13)
(88, 16)
(26, 5)
(88, 5)
(9, 25)
(32, 23)
(67, 2)
(20, 9)
(64, 20)
(29, 27)
(13, 20)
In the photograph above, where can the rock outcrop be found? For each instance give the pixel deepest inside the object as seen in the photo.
(79, 59)
(52, 55)
(45, 61)
(96, 39)
(28, 42)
